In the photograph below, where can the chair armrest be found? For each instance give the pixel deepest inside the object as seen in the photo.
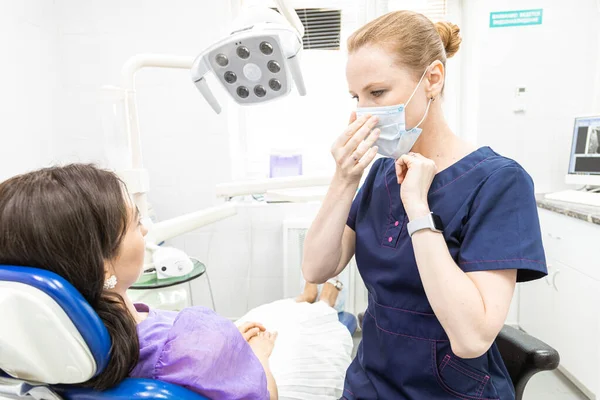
(521, 349)
(525, 356)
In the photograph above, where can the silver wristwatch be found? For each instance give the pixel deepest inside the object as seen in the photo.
(430, 221)
(337, 284)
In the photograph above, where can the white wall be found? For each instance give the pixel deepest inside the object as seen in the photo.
(309, 124)
(244, 255)
(181, 136)
(557, 63)
(63, 51)
(28, 85)
(184, 142)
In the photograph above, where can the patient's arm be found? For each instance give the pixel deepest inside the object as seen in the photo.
(271, 385)
(262, 346)
(206, 353)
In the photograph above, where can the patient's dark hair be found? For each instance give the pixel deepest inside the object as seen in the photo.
(70, 220)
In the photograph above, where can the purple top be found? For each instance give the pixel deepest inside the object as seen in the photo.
(201, 351)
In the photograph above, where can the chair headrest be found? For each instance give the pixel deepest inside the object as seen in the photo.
(49, 333)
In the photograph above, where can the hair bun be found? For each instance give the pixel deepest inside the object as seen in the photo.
(450, 35)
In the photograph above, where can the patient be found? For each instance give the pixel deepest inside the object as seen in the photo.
(79, 222)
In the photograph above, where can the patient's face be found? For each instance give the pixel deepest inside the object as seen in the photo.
(129, 263)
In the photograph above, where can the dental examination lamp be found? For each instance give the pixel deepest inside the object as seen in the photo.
(257, 62)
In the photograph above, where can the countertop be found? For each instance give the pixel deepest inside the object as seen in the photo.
(579, 211)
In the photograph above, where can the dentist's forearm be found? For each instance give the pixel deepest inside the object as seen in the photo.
(323, 243)
(454, 297)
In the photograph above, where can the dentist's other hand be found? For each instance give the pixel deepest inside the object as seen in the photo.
(415, 174)
(353, 150)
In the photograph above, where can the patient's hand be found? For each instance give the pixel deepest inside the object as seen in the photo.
(262, 344)
(250, 330)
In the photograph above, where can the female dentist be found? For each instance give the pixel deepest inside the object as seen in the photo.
(441, 231)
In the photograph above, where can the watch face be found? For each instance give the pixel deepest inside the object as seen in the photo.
(437, 222)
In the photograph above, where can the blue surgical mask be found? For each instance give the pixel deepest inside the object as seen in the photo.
(394, 139)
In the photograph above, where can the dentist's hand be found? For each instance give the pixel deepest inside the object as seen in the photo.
(415, 174)
(351, 151)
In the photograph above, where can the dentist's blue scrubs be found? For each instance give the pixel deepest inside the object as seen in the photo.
(488, 209)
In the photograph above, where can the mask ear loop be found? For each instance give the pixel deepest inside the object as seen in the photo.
(418, 84)
(428, 104)
(431, 99)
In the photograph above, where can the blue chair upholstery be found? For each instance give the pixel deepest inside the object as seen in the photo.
(130, 388)
(349, 321)
(96, 337)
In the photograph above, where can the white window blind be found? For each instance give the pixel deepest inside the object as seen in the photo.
(322, 28)
(324, 21)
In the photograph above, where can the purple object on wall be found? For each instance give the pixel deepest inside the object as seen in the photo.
(282, 166)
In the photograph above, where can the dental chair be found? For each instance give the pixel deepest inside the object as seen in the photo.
(523, 355)
(51, 340)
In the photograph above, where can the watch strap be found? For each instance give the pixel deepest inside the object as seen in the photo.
(424, 222)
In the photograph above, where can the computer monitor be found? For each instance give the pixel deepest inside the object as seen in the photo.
(584, 165)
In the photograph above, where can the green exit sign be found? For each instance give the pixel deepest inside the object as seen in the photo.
(504, 19)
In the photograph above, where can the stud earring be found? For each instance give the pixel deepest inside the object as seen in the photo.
(111, 282)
